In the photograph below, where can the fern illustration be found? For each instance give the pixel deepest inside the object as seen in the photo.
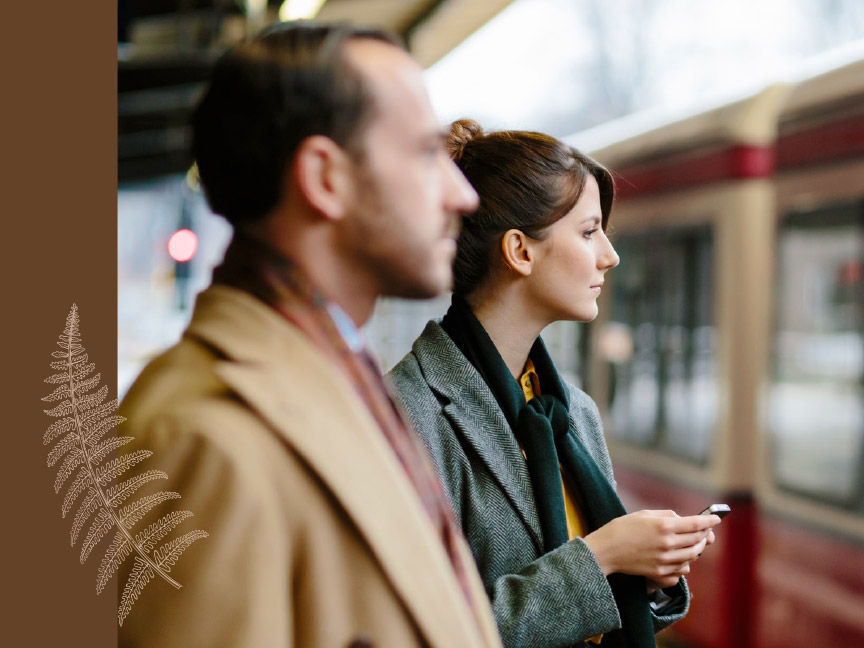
(84, 419)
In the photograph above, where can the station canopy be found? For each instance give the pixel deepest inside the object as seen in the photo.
(167, 47)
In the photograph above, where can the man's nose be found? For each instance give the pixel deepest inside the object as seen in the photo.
(460, 195)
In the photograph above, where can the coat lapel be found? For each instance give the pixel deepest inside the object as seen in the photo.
(476, 416)
(359, 468)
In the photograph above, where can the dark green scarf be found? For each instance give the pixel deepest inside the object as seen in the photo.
(541, 426)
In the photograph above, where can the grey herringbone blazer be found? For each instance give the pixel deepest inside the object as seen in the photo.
(552, 600)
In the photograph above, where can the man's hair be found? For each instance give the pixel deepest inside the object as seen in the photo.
(267, 95)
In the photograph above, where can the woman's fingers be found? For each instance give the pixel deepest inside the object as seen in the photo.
(690, 524)
(681, 540)
(663, 582)
(683, 556)
(651, 543)
(669, 574)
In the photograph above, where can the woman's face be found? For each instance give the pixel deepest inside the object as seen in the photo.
(571, 262)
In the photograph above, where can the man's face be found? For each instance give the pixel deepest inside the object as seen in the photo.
(410, 195)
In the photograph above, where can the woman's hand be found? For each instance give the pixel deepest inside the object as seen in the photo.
(658, 545)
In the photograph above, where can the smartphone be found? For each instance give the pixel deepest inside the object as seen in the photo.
(720, 510)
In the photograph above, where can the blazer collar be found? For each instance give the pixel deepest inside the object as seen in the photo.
(476, 415)
(267, 359)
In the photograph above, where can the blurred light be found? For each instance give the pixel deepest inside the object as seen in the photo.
(615, 342)
(193, 180)
(256, 14)
(298, 9)
(182, 245)
(255, 7)
(851, 273)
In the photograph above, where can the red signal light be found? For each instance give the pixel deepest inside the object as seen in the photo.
(182, 245)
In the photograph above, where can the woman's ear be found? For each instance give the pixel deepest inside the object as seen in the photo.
(324, 176)
(517, 252)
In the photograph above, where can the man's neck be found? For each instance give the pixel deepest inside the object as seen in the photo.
(313, 253)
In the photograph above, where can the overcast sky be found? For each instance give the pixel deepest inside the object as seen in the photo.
(565, 65)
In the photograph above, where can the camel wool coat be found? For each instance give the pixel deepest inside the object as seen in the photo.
(316, 536)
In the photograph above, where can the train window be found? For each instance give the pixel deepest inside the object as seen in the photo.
(660, 343)
(817, 400)
(566, 343)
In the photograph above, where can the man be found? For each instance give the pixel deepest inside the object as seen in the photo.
(325, 524)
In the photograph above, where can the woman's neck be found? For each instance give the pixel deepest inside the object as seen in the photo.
(510, 324)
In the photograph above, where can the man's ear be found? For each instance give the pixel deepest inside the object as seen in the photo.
(517, 252)
(324, 175)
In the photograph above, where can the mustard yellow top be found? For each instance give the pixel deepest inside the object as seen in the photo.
(530, 383)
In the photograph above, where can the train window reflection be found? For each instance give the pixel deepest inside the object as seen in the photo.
(817, 401)
(660, 343)
(566, 343)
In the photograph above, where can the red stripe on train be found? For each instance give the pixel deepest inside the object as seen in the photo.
(682, 171)
(823, 143)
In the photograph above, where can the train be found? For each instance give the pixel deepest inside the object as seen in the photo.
(728, 357)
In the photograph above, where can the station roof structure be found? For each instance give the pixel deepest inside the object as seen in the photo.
(167, 47)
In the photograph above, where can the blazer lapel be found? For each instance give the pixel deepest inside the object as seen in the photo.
(340, 441)
(476, 415)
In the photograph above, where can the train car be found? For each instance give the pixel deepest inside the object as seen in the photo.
(810, 570)
(728, 359)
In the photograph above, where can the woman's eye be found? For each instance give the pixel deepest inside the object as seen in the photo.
(588, 233)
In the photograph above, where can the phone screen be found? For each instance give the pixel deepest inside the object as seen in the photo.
(720, 510)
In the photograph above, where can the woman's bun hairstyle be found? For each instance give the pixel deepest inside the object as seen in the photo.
(525, 181)
(462, 132)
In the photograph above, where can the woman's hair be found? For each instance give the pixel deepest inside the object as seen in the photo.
(526, 181)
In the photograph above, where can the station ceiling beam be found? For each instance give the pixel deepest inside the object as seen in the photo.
(166, 49)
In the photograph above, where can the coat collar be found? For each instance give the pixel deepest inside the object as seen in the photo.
(273, 367)
(476, 415)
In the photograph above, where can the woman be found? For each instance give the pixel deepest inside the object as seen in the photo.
(521, 453)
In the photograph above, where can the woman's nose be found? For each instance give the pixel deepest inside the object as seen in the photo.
(609, 258)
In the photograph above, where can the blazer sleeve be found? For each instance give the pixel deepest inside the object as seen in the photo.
(543, 598)
(588, 425)
(547, 596)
